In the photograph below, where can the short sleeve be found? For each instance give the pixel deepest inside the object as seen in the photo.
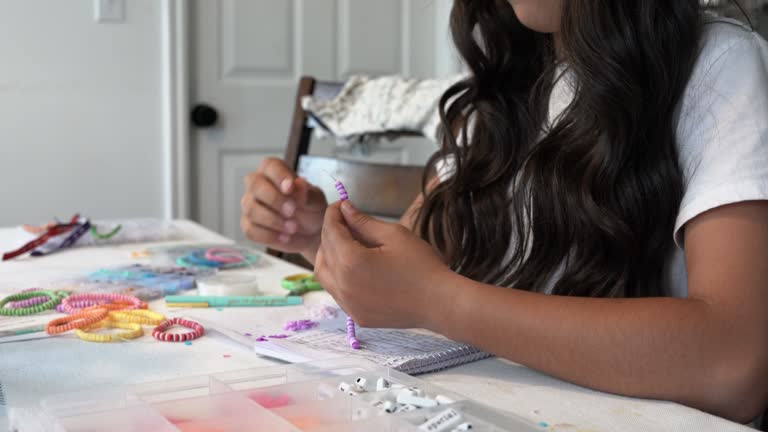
(722, 132)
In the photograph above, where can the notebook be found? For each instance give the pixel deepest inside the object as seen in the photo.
(409, 351)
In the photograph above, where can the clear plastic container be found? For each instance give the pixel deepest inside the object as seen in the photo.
(229, 412)
(131, 419)
(301, 397)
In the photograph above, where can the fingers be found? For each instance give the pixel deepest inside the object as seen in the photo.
(277, 171)
(259, 188)
(276, 239)
(259, 214)
(308, 196)
(335, 232)
(368, 230)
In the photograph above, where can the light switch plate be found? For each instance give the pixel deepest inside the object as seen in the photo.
(109, 11)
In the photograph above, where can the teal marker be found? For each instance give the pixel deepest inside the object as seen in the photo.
(19, 332)
(238, 301)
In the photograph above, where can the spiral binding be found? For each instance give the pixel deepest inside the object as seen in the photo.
(433, 362)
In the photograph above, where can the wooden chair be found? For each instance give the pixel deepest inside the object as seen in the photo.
(379, 189)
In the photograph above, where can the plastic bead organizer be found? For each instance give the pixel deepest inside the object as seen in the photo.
(300, 397)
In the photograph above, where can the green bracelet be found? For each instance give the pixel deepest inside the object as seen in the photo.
(301, 282)
(50, 304)
(95, 233)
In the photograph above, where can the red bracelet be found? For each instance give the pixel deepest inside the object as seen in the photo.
(160, 334)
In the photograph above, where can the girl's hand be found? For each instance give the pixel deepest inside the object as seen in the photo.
(380, 273)
(281, 210)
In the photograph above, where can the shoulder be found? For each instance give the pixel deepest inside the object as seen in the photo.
(722, 133)
(730, 77)
(728, 44)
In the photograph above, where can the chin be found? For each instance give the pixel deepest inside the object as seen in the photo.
(541, 16)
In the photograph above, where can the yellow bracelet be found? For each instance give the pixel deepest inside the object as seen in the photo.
(134, 331)
(137, 316)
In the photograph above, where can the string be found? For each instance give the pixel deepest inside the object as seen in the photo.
(351, 336)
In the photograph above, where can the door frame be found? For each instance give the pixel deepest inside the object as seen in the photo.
(176, 33)
(176, 130)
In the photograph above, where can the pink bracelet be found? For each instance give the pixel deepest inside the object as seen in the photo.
(77, 302)
(160, 334)
(224, 256)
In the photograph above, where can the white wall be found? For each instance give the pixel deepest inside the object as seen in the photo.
(80, 111)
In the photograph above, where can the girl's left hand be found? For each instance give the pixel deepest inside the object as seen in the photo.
(380, 273)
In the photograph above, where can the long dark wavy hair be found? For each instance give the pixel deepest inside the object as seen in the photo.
(593, 198)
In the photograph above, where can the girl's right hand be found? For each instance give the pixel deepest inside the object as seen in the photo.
(281, 210)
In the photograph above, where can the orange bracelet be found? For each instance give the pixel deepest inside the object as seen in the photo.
(75, 321)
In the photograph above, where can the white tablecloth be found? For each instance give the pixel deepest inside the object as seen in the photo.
(28, 368)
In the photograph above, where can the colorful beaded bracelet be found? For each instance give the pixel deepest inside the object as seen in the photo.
(137, 316)
(75, 321)
(160, 334)
(77, 302)
(224, 256)
(134, 331)
(34, 301)
(53, 300)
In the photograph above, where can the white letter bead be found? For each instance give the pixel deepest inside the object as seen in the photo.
(443, 400)
(463, 427)
(406, 408)
(416, 391)
(362, 382)
(388, 407)
(421, 402)
(382, 384)
(441, 422)
(345, 387)
(352, 393)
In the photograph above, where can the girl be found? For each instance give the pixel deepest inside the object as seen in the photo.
(600, 211)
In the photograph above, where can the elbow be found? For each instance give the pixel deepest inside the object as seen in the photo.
(738, 390)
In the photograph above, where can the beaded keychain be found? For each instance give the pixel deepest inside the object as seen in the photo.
(351, 336)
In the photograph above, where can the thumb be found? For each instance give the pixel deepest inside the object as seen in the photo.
(366, 229)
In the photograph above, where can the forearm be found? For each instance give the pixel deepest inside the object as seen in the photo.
(663, 348)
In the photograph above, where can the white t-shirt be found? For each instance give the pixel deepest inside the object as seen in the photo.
(722, 130)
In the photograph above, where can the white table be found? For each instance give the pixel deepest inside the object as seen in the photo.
(495, 382)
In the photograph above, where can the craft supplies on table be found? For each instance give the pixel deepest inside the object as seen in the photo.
(228, 284)
(148, 282)
(411, 351)
(300, 284)
(80, 232)
(234, 301)
(205, 256)
(303, 397)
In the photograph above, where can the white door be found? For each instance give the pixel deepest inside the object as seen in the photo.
(248, 58)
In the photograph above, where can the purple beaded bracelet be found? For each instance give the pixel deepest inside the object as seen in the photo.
(351, 337)
(30, 302)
